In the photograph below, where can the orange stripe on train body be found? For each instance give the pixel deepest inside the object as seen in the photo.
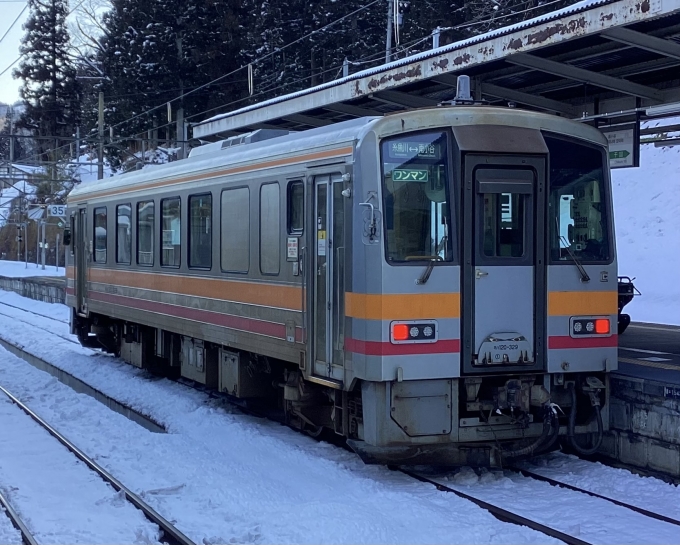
(214, 174)
(407, 306)
(253, 293)
(579, 303)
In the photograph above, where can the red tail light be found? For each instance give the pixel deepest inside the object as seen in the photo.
(602, 326)
(399, 332)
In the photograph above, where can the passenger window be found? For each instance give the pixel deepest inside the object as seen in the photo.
(270, 236)
(124, 233)
(235, 230)
(145, 232)
(503, 224)
(99, 235)
(296, 206)
(200, 231)
(171, 232)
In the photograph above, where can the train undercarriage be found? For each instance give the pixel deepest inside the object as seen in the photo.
(476, 420)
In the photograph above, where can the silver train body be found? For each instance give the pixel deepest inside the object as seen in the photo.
(438, 286)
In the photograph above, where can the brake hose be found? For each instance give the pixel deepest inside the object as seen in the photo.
(572, 425)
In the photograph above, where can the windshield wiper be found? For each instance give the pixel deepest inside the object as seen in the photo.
(579, 266)
(428, 270)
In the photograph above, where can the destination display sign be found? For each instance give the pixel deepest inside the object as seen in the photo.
(410, 175)
(405, 149)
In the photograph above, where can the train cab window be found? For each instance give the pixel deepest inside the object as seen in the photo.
(270, 229)
(417, 209)
(578, 206)
(171, 229)
(200, 231)
(296, 208)
(235, 230)
(123, 233)
(99, 235)
(145, 232)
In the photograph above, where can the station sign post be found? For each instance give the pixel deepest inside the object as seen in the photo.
(624, 145)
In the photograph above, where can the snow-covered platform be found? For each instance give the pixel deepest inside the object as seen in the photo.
(49, 289)
(651, 351)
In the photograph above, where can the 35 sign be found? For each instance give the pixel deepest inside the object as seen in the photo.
(58, 210)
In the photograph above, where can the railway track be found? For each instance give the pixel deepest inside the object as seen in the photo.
(499, 512)
(171, 535)
(32, 324)
(26, 535)
(560, 484)
(34, 313)
(506, 515)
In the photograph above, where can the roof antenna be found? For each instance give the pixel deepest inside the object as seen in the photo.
(463, 95)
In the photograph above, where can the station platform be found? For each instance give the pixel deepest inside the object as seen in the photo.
(650, 351)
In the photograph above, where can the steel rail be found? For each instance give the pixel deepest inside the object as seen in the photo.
(16, 318)
(172, 535)
(26, 535)
(33, 312)
(500, 513)
(553, 482)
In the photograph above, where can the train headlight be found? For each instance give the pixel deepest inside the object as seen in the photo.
(413, 332)
(578, 327)
(590, 327)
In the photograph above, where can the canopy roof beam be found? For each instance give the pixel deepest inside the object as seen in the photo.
(586, 76)
(643, 41)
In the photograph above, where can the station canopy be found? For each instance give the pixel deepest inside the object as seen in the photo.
(607, 62)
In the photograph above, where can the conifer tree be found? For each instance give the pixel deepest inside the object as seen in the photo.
(50, 89)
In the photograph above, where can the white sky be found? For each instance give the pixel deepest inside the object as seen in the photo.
(9, 47)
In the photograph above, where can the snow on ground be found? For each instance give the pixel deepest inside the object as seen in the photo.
(10, 299)
(8, 533)
(281, 486)
(647, 218)
(55, 494)
(645, 492)
(591, 519)
(228, 477)
(18, 269)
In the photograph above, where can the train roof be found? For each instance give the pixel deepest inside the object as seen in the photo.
(217, 155)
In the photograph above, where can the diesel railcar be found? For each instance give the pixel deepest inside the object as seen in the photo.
(436, 285)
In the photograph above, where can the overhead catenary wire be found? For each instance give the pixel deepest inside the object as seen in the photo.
(256, 61)
(13, 23)
(20, 56)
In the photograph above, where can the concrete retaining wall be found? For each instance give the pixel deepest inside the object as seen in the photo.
(645, 425)
(47, 289)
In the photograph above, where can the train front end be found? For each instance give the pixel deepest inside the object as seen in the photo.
(482, 309)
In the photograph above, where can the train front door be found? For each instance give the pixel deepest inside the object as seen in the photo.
(80, 260)
(328, 294)
(505, 275)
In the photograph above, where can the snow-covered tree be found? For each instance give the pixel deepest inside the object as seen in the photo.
(153, 52)
(50, 89)
(9, 129)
